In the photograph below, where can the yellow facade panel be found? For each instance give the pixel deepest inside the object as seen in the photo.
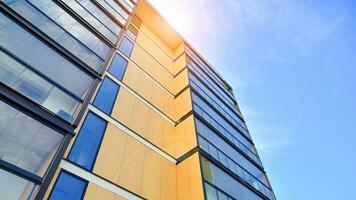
(132, 166)
(122, 110)
(185, 136)
(152, 67)
(189, 180)
(182, 104)
(157, 40)
(155, 51)
(181, 81)
(109, 159)
(151, 175)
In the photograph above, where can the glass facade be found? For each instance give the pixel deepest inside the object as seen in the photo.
(68, 187)
(88, 141)
(106, 95)
(118, 66)
(126, 47)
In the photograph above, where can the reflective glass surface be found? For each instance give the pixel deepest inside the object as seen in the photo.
(197, 71)
(119, 16)
(126, 47)
(100, 15)
(15, 187)
(220, 145)
(105, 98)
(42, 58)
(208, 70)
(218, 117)
(25, 142)
(17, 76)
(118, 66)
(68, 187)
(88, 140)
(220, 179)
(235, 168)
(233, 136)
(234, 117)
(56, 32)
(91, 19)
(74, 27)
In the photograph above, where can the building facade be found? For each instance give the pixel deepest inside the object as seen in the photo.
(102, 99)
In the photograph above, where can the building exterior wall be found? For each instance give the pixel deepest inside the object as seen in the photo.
(127, 109)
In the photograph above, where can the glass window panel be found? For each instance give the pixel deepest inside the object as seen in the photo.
(118, 66)
(15, 187)
(88, 140)
(225, 182)
(68, 187)
(106, 95)
(210, 192)
(92, 20)
(232, 153)
(44, 59)
(222, 196)
(25, 142)
(20, 78)
(117, 8)
(57, 33)
(112, 11)
(126, 47)
(105, 19)
(127, 4)
(75, 28)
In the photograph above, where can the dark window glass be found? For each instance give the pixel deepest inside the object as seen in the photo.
(88, 140)
(15, 187)
(68, 187)
(126, 47)
(106, 95)
(132, 32)
(25, 142)
(118, 66)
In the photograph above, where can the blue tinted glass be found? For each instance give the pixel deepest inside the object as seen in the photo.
(105, 98)
(126, 47)
(68, 187)
(88, 140)
(118, 66)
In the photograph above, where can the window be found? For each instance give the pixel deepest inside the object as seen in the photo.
(126, 47)
(119, 16)
(106, 95)
(20, 78)
(132, 32)
(88, 140)
(68, 187)
(91, 19)
(58, 33)
(25, 142)
(42, 58)
(15, 187)
(217, 177)
(118, 66)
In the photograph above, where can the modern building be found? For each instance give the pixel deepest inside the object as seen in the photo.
(102, 99)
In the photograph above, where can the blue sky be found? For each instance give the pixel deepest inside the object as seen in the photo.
(292, 65)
